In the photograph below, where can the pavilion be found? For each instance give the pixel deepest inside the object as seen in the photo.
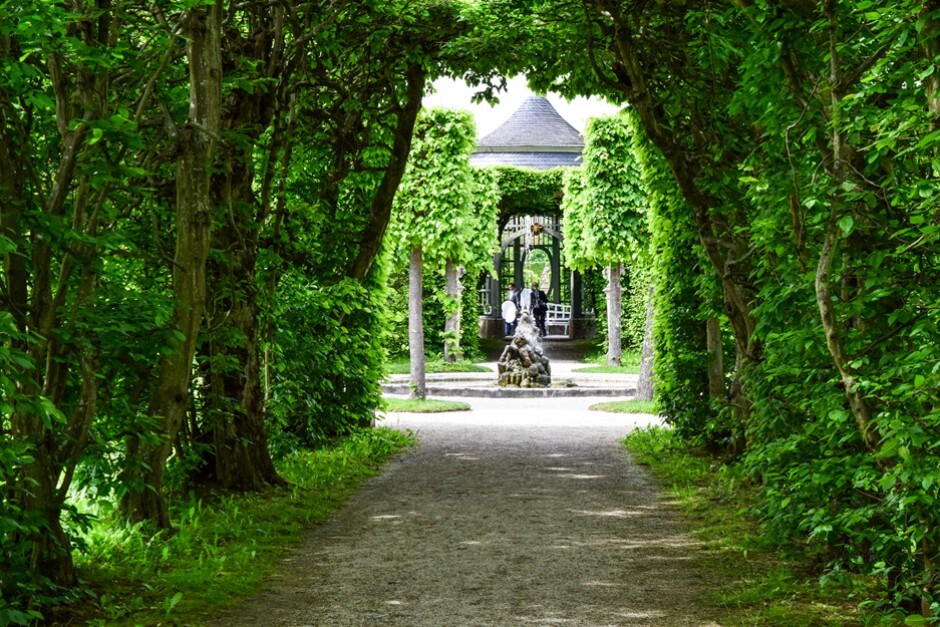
(537, 138)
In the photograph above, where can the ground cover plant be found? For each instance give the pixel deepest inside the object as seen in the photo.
(630, 363)
(223, 547)
(760, 582)
(424, 405)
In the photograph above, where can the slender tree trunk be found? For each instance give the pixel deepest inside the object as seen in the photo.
(614, 313)
(716, 362)
(644, 386)
(416, 324)
(452, 351)
(824, 295)
(202, 26)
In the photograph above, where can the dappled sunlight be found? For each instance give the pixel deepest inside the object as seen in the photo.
(649, 614)
(580, 476)
(601, 584)
(464, 457)
(616, 513)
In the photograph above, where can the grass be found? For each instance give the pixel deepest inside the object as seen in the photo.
(222, 549)
(630, 369)
(629, 364)
(758, 582)
(626, 407)
(404, 367)
(424, 406)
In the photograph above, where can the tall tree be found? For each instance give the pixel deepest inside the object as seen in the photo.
(606, 213)
(436, 219)
(194, 207)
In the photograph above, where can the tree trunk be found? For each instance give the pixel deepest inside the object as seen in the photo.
(839, 170)
(381, 205)
(202, 27)
(644, 386)
(240, 456)
(416, 324)
(614, 313)
(716, 362)
(452, 351)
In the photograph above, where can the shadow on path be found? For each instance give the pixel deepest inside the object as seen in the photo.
(529, 514)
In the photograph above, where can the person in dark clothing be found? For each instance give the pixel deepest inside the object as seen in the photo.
(539, 308)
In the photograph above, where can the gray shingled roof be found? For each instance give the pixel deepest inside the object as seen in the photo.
(535, 136)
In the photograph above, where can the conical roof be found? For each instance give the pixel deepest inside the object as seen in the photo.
(535, 136)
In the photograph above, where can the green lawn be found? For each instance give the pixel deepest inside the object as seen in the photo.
(626, 407)
(404, 367)
(222, 548)
(425, 406)
(629, 369)
(757, 582)
(597, 362)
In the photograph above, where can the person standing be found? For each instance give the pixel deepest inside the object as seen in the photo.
(539, 308)
(511, 309)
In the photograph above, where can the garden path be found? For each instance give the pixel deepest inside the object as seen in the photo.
(522, 511)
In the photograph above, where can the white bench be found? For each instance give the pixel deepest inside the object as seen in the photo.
(558, 315)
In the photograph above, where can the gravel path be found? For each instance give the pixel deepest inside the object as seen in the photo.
(517, 512)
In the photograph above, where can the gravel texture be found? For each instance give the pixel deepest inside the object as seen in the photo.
(518, 512)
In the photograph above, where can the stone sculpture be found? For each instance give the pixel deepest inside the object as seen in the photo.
(523, 362)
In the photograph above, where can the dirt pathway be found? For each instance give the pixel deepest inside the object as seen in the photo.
(521, 512)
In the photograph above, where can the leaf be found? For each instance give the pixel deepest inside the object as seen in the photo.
(846, 223)
(172, 602)
(929, 138)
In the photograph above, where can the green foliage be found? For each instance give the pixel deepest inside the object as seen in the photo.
(606, 208)
(328, 360)
(434, 206)
(424, 405)
(527, 191)
(804, 141)
(680, 366)
(630, 365)
(635, 282)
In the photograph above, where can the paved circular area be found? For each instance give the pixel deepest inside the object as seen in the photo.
(521, 512)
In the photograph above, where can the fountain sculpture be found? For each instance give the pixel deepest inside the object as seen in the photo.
(523, 362)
